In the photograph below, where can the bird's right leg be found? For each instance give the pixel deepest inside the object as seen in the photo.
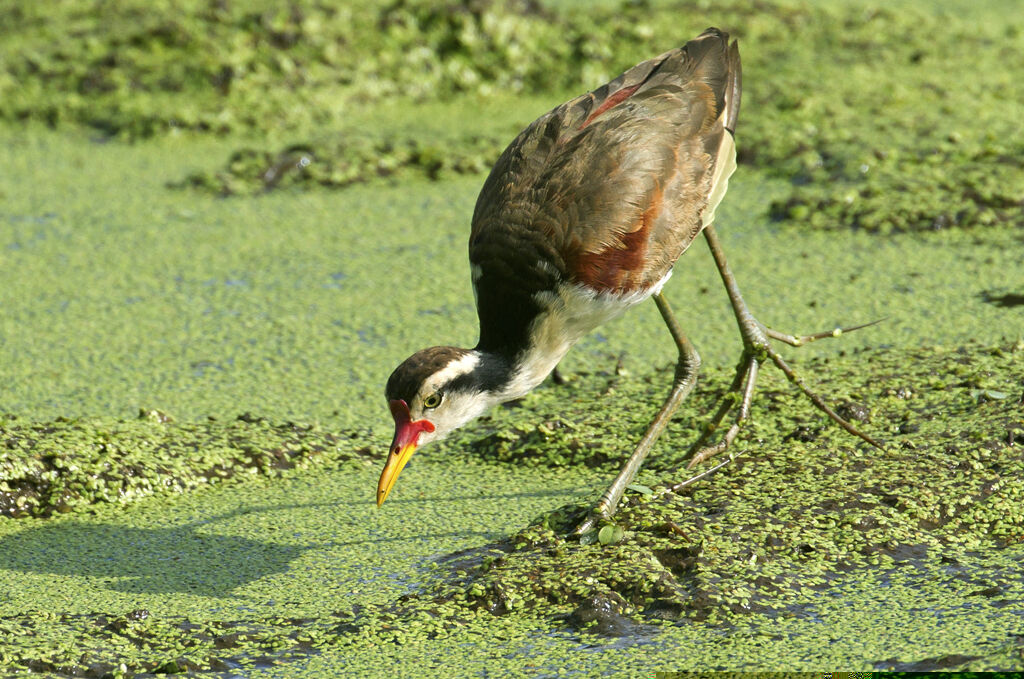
(685, 379)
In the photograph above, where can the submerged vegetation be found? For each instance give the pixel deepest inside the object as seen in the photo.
(885, 120)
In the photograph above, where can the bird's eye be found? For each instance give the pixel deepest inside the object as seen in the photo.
(432, 401)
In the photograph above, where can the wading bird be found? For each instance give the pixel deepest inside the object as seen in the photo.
(582, 217)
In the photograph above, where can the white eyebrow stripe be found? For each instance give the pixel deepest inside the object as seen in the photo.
(459, 366)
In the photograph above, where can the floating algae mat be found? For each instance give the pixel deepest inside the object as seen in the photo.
(885, 119)
(800, 504)
(227, 545)
(806, 528)
(64, 465)
(876, 132)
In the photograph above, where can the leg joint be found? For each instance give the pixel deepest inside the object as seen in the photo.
(687, 366)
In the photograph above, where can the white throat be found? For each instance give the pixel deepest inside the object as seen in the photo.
(570, 312)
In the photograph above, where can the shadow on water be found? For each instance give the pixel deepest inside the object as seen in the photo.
(1006, 301)
(187, 558)
(147, 560)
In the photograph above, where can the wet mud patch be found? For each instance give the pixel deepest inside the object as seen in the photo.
(69, 464)
(801, 505)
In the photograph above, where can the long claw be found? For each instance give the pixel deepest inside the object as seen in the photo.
(817, 400)
(746, 372)
(750, 372)
(800, 340)
(697, 477)
(588, 525)
(756, 348)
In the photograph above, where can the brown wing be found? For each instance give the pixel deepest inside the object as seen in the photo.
(610, 188)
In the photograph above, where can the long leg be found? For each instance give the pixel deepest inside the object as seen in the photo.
(746, 374)
(756, 348)
(724, 406)
(685, 378)
(741, 415)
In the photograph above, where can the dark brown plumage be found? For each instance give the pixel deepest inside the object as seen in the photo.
(607, 190)
(582, 217)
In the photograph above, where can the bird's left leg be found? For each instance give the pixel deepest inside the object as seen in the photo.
(756, 349)
(683, 383)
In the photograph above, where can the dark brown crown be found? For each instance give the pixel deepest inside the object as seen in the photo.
(407, 378)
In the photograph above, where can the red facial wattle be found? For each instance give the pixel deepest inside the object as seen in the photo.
(407, 434)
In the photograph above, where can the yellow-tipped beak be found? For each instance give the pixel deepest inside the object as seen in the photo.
(397, 460)
(403, 446)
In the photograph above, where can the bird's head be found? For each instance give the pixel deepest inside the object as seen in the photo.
(432, 393)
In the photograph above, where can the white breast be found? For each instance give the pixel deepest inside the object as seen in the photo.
(571, 312)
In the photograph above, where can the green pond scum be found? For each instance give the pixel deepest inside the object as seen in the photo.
(222, 224)
(934, 524)
(835, 505)
(886, 119)
(66, 464)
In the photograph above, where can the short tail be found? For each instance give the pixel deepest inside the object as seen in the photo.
(719, 65)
